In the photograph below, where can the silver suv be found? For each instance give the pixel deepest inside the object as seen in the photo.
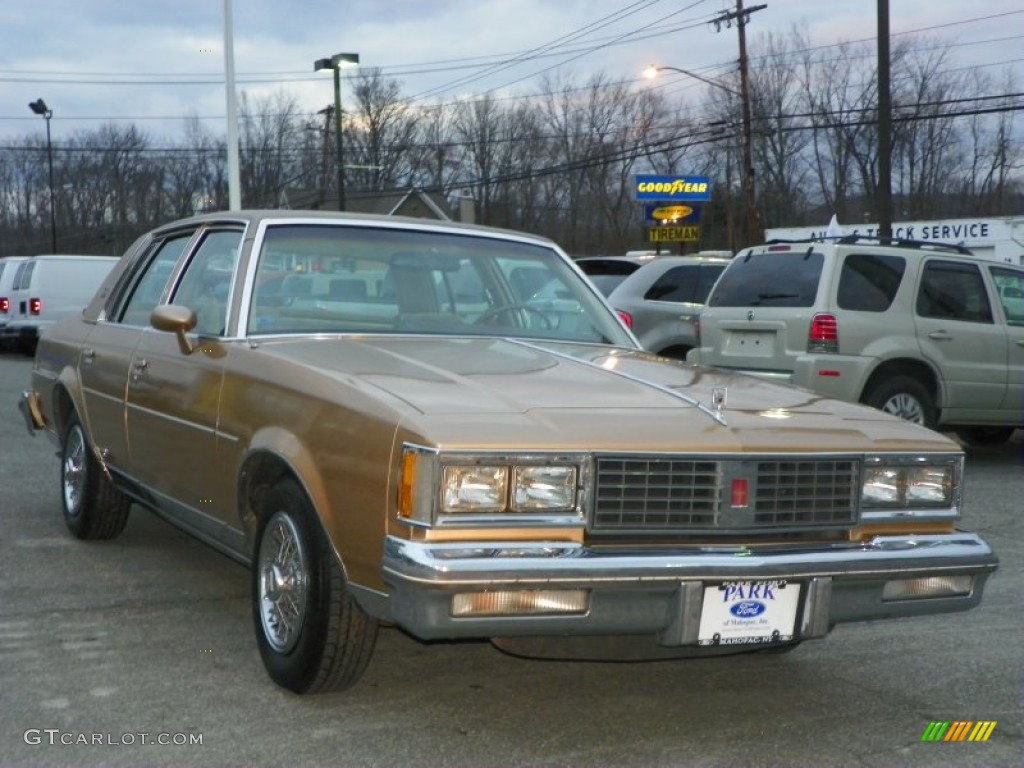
(926, 331)
(661, 300)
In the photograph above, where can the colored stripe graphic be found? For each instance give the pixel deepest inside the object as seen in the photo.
(958, 730)
(982, 730)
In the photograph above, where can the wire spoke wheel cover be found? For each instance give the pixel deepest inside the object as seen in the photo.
(73, 471)
(283, 583)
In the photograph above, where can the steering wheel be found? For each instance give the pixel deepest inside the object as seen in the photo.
(504, 309)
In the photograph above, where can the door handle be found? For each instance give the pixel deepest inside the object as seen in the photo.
(940, 336)
(88, 355)
(1019, 342)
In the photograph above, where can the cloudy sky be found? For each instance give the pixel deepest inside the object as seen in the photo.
(154, 62)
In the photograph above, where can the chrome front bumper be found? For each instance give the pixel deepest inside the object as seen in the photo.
(648, 591)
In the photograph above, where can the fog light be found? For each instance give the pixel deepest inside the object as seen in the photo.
(929, 586)
(520, 603)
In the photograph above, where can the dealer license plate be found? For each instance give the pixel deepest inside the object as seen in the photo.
(749, 612)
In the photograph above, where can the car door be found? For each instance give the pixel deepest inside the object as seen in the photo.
(103, 365)
(957, 332)
(1010, 286)
(173, 397)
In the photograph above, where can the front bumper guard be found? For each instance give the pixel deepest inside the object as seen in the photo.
(658, 591)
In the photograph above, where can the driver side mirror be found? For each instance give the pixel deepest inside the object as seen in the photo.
(175, 319)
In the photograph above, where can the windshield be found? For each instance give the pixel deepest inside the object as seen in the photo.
(314, 278)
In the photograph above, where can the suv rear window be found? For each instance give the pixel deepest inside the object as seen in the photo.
(774, 279)
(868, 283)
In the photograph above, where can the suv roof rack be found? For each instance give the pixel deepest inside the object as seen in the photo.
(899, 242)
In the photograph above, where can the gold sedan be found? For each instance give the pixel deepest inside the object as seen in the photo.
(447, 428)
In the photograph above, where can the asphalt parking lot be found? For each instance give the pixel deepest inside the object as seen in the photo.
(107, 649)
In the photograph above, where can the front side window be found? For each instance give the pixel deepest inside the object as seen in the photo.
(953, 291)
(868, 283)
(205, 287)
(313, 278)
(769, 279)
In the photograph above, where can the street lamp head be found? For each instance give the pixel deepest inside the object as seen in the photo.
(39, 107)
(336, 61)
(654, 70)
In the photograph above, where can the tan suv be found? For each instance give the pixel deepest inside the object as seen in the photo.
(926, 331)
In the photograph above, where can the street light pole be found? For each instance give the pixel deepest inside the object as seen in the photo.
(39, 107)
(335, 63)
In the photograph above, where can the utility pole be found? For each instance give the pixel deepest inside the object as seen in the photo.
(742, 16)
(884, 193)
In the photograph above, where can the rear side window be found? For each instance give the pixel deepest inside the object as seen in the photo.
(951, 291)
(1010, 284)
(689, 284)
(868, 283)
(23, 277)
(787, 279)
(678, 284)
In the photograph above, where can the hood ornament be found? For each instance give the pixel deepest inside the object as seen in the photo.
(718, 396)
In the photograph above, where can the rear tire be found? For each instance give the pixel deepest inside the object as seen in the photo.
(93, 506)
(904, 397)
(312, 635)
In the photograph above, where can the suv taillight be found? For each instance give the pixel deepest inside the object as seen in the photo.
(5, 305)
(824, 334)
(626, 317)
(696, 329)
(35, 306)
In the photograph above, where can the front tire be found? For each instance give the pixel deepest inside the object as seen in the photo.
(93, 507)
(981, 436)
(312, 635)
(904, 397)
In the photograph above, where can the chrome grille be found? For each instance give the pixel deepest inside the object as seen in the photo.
(647, 493)
(818, 492)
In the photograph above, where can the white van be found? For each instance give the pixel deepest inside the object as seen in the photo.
(8, 268)
(47, 288)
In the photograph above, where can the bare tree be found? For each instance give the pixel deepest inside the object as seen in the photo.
(380, 133)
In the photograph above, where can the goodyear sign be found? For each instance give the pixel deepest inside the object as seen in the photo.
(693, 189)
(671, 213)
(674, 234)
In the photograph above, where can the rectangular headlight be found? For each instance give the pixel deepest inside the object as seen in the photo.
(929, 485)
(474, 489)
(908, 486)
(537, 489)
(469, 489)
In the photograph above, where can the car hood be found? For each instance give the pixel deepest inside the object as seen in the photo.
(511, 392)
